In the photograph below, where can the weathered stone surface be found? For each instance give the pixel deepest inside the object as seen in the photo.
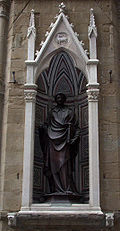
(68, 219)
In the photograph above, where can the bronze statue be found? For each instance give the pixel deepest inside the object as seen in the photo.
(60, 147)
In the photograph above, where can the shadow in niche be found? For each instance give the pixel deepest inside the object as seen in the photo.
(61, 76)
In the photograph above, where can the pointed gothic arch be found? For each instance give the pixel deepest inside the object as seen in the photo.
(46, 59)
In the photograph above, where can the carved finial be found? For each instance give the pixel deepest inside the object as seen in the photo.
(47, 33)
(32, 19)
(56, 17)
(36, 53)
(61, 7)
(92, 18)
(86, 52)
(41, 44)
(72, 25)
(76, 34)
(82, 43)
(67, 16)
(92, 26)
(31, 27)
(52, 25)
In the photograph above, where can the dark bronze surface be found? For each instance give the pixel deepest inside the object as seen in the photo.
(60, 138)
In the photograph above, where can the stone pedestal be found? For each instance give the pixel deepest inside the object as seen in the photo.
(57, 198)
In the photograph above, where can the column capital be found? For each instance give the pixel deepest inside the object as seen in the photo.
(4, 8)
(93, 95)
(30, 86)
(30, 91)
(30, 95)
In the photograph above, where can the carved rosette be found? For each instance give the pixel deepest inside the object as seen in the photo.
(30, 93)
(93, 94)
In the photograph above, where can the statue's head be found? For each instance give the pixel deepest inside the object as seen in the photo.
(60, 98)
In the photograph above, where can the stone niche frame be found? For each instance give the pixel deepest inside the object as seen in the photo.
(61, 37)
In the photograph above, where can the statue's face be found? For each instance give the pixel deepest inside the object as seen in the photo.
(60, 99)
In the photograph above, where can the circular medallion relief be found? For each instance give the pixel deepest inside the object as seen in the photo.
(61, 38)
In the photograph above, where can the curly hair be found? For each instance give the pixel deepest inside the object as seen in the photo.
(62, 95)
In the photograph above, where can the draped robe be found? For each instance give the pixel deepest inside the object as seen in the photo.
(61, 128)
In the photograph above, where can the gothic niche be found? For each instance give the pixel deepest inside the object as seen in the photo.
(62, 76)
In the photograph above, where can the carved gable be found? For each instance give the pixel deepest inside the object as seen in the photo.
(61, 37)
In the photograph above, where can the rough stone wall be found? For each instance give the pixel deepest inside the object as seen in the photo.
(13, 126)
(109, 109)
(4, 12)
(109, 103)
